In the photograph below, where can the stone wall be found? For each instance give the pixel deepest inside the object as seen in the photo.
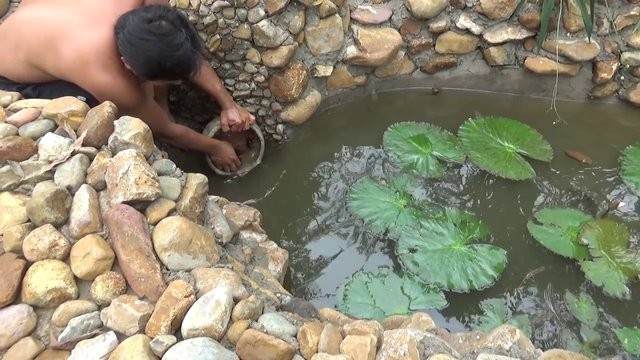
(282, 58)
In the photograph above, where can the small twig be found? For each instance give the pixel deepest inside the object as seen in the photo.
(255, 200)
(555, 86)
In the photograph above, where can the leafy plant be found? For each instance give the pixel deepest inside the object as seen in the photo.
(384, 206)
(612, 266)
(558, 231)
(376, 295)
(629, 338)
(630, 167)
(496, 313)
(496, 145)
(420, 146)
(582, 307)
(442, 252)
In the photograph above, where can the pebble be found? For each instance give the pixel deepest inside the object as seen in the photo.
(158, 210)
(51, 146)
(184, 245)
(80, 327)
(171, 309)
(330, 340)
(72, 173)
(37, 129)
(26, 348)
(208, 279)
(17, 322)
(164, 167)
(98, 124)
(16, 148)
(23, 117)
(170, 187)
(71, 309)
(107, 287)
(217, 222)
(97, 170)
(66, 109)
(48, 283)
(200, 348)
(97, 348)
(254, 345)
(277, 325)
(14, 236)
(161, 343)
(90, 257)
(193, 198)
(130, 178)
(127, 314)
(51, 354)
(309, 337)
(13, 210)
(248, 309)
(7, 130)
(49, 204)
(12, 268)
(85, 217)
(135, 347)
(209, 316)
(131, 133)
(45, 242)
(236, 330)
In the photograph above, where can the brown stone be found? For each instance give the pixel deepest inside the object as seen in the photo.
(544, 66)
(604, 71)
(90, 257)
(254, 345)
(236, 330)
(452, 42)
(529, 44)
(27, 103)
(207, 279)
(130, 179)
(66, 109)
(48, 283)
(575, 50)
(301, 110)
(530, 18)
(288, 85)
(419, 44)
(279, 57)
(135, 347)
(327, 8)
(325, 37)
(438, 63)
(571, 17)
(131, 241)
(497, 9)
(359, 347)
(171, 309)
(373, 46)
(628, 18)
(71, 309)
(633, 95)
(605, 90)
(394, 321)
(439, 26)
(401, 65)
(45, 242)
(425, 9)
(23, 116)
(635, 71)
(330, 340)
(410, 27)
(158, 210)
(14, 236)
(106, 287)
(97, 170)
(9, 97)
(419, 321)
(458, 4)
(98, 125)
(497, 56)
(559, 354)
(51, 354)
(25, 348)
(309, 337)
(12, 268)
(17, 148)
(127, 314)
(341, 78)
(611, 47)
(364, 327)
(333, 316)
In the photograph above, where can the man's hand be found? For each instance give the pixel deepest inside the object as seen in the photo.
(224, 157)
(236, 118)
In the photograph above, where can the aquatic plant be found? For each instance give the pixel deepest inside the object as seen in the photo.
(630, 167)
(376, 295)
(497, 145)
(558, 231)
(420, 147)
(496, 313)
(629, 338)
(582, 307)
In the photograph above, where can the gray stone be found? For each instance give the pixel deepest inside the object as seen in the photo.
(81, 327)
(164, 167)
(51, 146)
(98, 348)
(504, 32)
(161, 343)
(325, 37)
(209, 316)
(216, 221)
(170, 187)
(85, 217)
(256, 14)
(7, 130)
(200, 348)
(267, 34)
(9, 180)
(276, 325)
(631, 58)
(466, 22)
(72, 173)
(37, 129)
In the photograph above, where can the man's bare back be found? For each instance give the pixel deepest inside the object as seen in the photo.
(75, 41)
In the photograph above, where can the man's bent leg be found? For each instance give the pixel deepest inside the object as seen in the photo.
(48, 90)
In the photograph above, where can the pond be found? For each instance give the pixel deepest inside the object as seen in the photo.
(302, 186)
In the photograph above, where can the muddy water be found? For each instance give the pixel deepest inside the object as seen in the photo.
(306, 182)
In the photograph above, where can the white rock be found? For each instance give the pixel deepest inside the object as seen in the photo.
(209, 315)
(200, 348)
(97, 348)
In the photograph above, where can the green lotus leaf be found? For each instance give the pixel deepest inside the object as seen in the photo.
(630, 167)
(376, 295)
(629, 338)
(384, 207)
(441, 251)
(495, 313)
(582, 307)
(612, 265)
(420, 146)
(497, 145)
(558, 231)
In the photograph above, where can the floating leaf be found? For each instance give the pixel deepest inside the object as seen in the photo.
(590, 337)
(496, 145)
(612, 266)
(376, 295)
(582, 307)
(419, 146)
(441, 252)
(384, 206)
(630, 167)
(629, 338)
(559, 231)
(495, 313)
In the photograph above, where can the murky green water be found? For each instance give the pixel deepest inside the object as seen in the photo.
(308, 178)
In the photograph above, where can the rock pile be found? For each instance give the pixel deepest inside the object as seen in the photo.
(109, 251)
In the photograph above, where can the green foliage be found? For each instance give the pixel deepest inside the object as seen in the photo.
(612, 265)
(629, 338)
(630, 167)
(582, 308)
(558, 231)
(443, 252)
(496, 313)
(376, 295)
(420, 146)
(497, 145)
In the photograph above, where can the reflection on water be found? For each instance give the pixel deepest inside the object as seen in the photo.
(308, 179)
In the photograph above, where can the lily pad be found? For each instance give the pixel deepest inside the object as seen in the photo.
(376, 295)
(582, 307)
(630, 167)
(421, 146)
(384, 206)
(558, 231)
(629, 338)
(497, 145)
(442, 252)
(496, 313)
(612, 265)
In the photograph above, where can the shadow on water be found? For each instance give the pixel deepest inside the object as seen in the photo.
(310, 176)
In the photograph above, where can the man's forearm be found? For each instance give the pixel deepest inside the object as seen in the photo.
(208, 80)
(188, 139)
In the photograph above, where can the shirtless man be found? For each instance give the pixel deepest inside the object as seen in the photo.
(124, 51)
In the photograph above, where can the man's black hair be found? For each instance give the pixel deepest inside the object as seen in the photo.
(158, 43)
